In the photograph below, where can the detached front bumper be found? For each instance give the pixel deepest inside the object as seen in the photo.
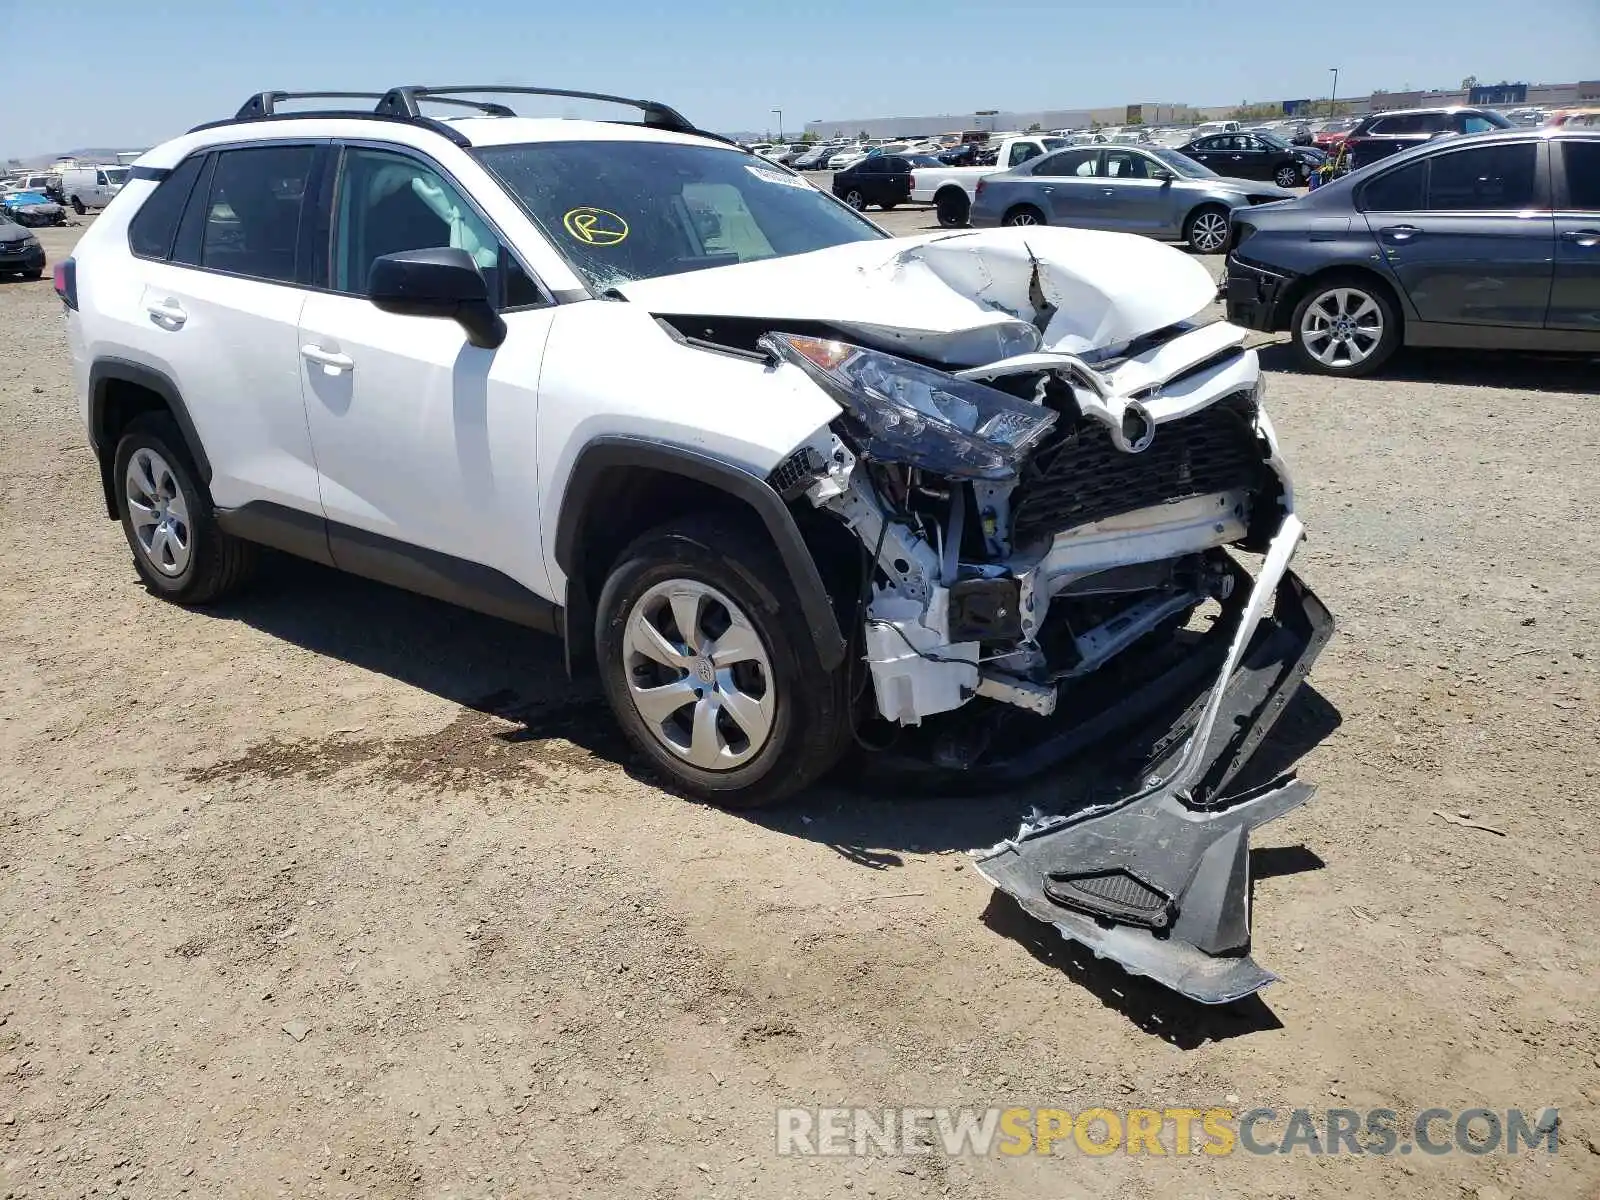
(1252, 294)
(28, 259)
(1159, 880)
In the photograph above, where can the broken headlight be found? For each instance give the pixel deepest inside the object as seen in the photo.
(911, 414)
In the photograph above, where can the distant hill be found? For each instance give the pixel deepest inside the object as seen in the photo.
(87, 154)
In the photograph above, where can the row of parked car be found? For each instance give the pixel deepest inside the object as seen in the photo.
(1441, 227)
(35, 198)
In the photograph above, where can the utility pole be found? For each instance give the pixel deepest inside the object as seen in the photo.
(1332, 108)
(778, 112)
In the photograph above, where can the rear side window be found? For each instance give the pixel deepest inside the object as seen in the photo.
(1395, 191)
(1069, 162)
(1487, 178)
(252, 220)
(1583, 174)
(1411, 123)
(154, 226)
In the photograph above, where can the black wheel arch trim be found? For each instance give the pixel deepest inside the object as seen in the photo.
(105, 371)
(611, 453)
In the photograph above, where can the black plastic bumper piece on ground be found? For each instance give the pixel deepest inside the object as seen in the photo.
(1160, 883)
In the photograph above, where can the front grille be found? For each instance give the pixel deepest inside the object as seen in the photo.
(1079, 476)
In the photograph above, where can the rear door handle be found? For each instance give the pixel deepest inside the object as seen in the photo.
(1399, 233)
(1105, 191)
(331, 362)
(168, 314)
(1048, 191)
(1583, 237)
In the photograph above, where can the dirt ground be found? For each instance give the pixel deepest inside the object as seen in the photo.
(334, 891)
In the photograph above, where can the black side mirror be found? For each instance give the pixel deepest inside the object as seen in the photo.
(1162, 174)
(441, 282)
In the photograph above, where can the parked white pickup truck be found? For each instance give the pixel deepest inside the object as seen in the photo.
(951, 189)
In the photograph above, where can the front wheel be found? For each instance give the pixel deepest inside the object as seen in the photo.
(36, 273)
(856, 200)
(709, 666)
(77, 206)
(890, 206)
(1345, 326)
(1207, 231)
(1288, 177)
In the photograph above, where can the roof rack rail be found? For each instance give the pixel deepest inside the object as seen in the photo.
(265, 104)
(402, 101)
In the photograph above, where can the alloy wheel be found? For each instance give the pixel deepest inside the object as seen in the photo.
(1209, 233)
(158, 512)
(856, 201)
(1342, 328)
(1288, 177)
(1025, 217)
(699, 675)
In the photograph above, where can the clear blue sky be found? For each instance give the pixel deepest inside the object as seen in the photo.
(132, 72)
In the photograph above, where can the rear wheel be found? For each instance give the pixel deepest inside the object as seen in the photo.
(1288, 176)
(1345, 326)
(710, 669)
(178, 549)
(1207, 230)
(1023, 214)
(890, 206)
(953, 208)
(77, 206)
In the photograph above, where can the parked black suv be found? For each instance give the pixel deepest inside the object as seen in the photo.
(1386, 133)
(1490, 242)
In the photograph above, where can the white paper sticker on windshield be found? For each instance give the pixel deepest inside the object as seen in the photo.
(773, 175)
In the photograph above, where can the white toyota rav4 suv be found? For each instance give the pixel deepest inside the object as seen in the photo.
(979, 501)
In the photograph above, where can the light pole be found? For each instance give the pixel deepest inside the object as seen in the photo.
(1332, 110)
(778, 112)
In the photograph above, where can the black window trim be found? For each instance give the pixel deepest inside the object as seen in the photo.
(1561, 198)
(317, 161)
(506, 249)
(1542, 178)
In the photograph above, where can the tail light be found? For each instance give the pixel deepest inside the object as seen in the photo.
(66, 281)
(911, 182)
(978, 191)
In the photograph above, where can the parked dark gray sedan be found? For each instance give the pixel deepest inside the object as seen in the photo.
(1124, 189)
(1491, 241)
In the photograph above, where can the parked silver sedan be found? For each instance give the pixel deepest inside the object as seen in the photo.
(1125, 189)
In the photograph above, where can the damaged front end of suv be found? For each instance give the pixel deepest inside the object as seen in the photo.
(1057, 497)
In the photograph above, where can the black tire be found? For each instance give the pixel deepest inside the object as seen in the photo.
(1288, 176)
(812, 724)
(953, 208)
(856, 199)
(890, 206)
(1024, 214)
(218, 563)
(77, 206)
(1367, 286)
(36, 273)
(1199, 231)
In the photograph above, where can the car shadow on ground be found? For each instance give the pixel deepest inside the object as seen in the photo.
(518, 676)
(1573, 373)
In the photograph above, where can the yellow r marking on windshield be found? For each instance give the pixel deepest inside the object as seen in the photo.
(595, 226)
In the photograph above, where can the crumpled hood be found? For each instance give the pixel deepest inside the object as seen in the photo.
(962, 299)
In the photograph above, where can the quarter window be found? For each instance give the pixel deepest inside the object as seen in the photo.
(153, 227)
(1487, 178)
(252, 218)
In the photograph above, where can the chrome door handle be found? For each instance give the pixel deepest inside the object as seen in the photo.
(1105, 191)
(168, 314)
(1583, 237)
(330, 361)
(1400, 233)
(1048, 191)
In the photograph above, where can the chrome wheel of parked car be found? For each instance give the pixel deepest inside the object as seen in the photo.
(856, 200)
(1347, 324)
(159, 512)
(1208, 231)
(1024, 216)
(1288, 177)
(699, 674)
